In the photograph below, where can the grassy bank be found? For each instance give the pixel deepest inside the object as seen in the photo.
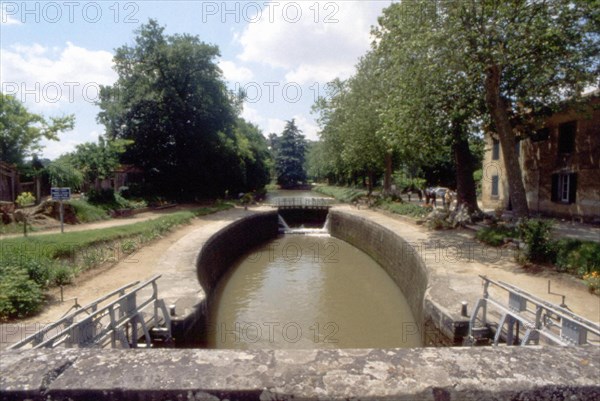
(343, 194)
(30, 265)
(350, 195)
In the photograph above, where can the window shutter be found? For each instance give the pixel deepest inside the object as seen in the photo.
(572, 187)
(554, 189)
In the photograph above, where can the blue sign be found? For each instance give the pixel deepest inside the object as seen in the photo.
(60, 193)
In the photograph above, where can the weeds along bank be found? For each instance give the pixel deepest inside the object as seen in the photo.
(29, 266)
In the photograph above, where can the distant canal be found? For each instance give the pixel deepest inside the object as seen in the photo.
(305, 291)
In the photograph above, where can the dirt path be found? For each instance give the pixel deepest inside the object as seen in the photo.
(151, 215)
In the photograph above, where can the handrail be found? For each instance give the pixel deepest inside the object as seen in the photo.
(70, 317)
(121, 311)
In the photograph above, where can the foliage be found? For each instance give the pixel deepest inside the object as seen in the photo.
(170, 99)
(495, 235)
(62, 275)
(86, 212)
(405, 209)
(98, 160)
(593, 281)
(579, 257)
(289, 162)
(536, 235)
(25, 199)
(405, 182)
(63, 173)
(20, 296)
(21, 131)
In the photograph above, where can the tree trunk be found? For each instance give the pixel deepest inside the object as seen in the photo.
(498, 109)
(370, 182)
(387, 179)
(466, 193)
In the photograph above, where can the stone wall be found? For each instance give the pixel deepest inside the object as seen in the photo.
(435, 374)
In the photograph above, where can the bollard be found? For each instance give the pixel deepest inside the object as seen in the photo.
(463, 309)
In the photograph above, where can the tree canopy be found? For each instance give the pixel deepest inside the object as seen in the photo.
(21, 131)
(171, 101)
(290, 157)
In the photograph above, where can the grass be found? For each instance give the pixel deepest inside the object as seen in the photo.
(343, 194)
(88, 213)
(28, 265)
(405, 209)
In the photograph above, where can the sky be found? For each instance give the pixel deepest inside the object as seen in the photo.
(54, 55)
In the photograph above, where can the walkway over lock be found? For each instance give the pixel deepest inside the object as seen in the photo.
(301, 203)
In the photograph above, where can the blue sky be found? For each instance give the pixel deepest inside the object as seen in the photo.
(54, 54)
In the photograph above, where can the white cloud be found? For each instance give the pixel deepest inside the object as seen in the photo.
(308, 127)
(252, 115)
(44, 77)
(274, 126)
(234, 73)
(319, 46)
(6, 14)
(58, 81)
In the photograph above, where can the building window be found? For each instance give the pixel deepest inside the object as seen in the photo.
(564, 187)
(566, 137)
(495, 185)
(495, 149)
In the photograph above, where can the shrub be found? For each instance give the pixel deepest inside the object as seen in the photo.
(495, 235)
(38, 270)
(593, 281)
(102, 196)
(584, 259)
(20, 296)
(86, 212)
(536, 234)
(62, 275)
(564, 247)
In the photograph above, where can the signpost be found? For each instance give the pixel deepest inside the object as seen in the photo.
(61, 194)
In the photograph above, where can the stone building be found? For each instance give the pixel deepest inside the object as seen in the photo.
(560, 164)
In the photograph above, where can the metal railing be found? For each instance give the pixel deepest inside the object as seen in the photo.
(117, 323)
(528, 319)
(301, 203)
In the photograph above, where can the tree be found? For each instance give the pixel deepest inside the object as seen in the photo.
(97, 161)
(21, 131)
(529, 56)
(434, 104)
(63, 173)
(171, 100)
(289, 163)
